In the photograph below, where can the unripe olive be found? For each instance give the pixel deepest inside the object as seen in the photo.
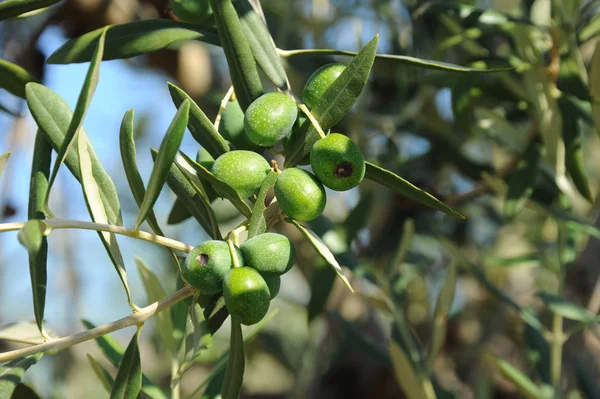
(244, 171)
(273, 282)
(207, 264)
(319, 82)
(232, 127)
(269, 119)
(337, 162)
(269, 253)
(299, 194)
(193, 11)
(246, 295)
(205, 159)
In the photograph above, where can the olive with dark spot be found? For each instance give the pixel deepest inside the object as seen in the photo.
(337, 162)
(207, 264)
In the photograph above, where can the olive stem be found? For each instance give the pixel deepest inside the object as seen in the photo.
(57, 223)
(312, 119)
(135, 319)
(222, 107)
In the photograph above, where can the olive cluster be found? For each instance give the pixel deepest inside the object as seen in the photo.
(336, 161)
(248, 288)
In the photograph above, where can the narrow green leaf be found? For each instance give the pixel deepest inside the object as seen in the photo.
(222, 188)
(31, 235)
(13, 78)
(261, 43)
(572, 79)
(407, 378)
(131, 39)
(539, 352)
(202, 129)
(440, 316)
(395, 60)
(14, 8)
(321, 284)
(128, 157)
(3, 160)
(586, 379)
(38, 255)
(522, 383)
(234, 375)
(155, 292)
(590, 30)
(335, 102)
(242, 67)
(128, 382)
(23, 391)
(12, 373)
(258, 225)
(164, 159)
(404, 187)
(594, 77)
(520, 183)
(91, 193)
(83, 102)
(179, 212)
(322, 250)
(53, 116)
(114, 353)
(197, 337)
(562, 307)
(514, 261)
(194, 199)
(103, 375)
(573, 147)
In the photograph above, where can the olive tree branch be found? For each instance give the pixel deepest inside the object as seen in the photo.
(56, 223)
(137, 318)
(312, 119)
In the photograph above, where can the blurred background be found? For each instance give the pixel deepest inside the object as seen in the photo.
(459, 136)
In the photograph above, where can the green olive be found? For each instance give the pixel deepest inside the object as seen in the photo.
(273, 282)
(269, 119)
(299, 194)
(337, 162)
(269, 253)
(246, 295)
(192, 11)
(319, 82)
(232, 127)
(244, 171)
(207, 264)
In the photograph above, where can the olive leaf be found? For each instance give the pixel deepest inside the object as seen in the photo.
(3, 160)
(53, 116)
(201, 128)
(261, 43)
(128, 382)
(520, 184)
(322, 250)
(83, 102)
(234, 374)
(440, 316)
(103, 375)
(242, 67)
(564, 308)
(524, 385)
(12, 373)
(114, 353)
(131, 39)
(155, 292)
(335, 102)
(14, 8)
(128, 157)
(179, 212)
(412, 384)
(321, 284)
(164, 159)
(222, 188)
(258, 224)
(93, 200)
(13, 78)
(402, 186)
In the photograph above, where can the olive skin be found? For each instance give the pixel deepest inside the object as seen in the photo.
(207, 264)
(246, 295)
(300, 195)
(273, 282)
(232, 127)
(319, 82)
(192, 11)
(269, 253)
(337, 162)
(269, 119)
(243, 170)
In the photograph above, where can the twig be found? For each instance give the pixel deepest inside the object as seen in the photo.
(222, 107)
(137, 318)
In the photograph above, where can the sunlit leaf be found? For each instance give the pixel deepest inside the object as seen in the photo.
(13, 78)
(564, 308)
(131, 39)
(12, 373)
(406, 376)
(31, 235)
(257, 224)
(164, 159)
(128, 382)
(526, 387)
